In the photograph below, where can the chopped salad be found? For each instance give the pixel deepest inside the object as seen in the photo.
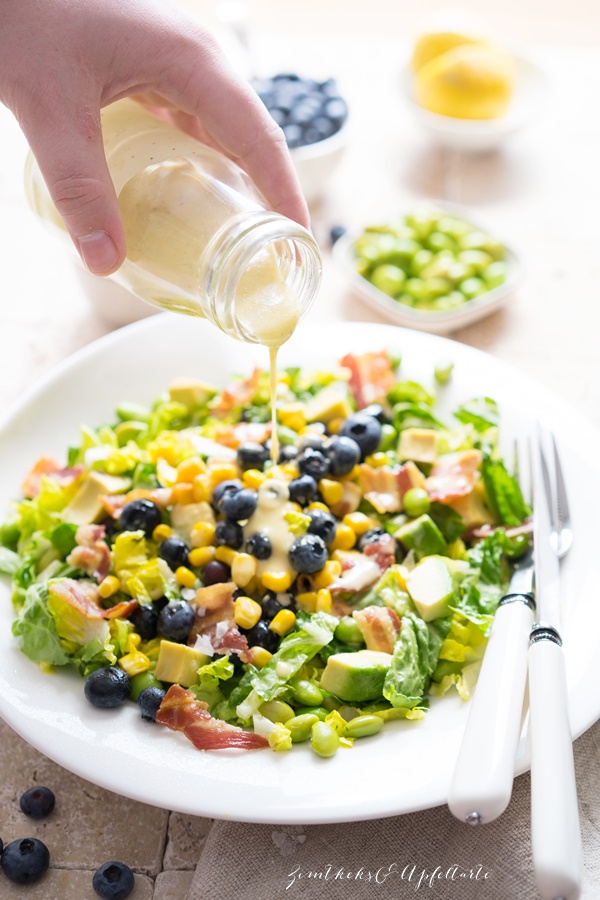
(251, 603)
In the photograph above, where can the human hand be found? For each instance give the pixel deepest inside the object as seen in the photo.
(61, 61)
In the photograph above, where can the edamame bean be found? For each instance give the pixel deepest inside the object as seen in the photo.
(389, 438)
(348, 632)
(300, 727)
(277, 711)
(416, 502)
(307, 693)
(330, 703)
(129, 431)
(133, 411)
(324, 740)
(442, 372)
(142, 681)
(319, 711)
(364, 726)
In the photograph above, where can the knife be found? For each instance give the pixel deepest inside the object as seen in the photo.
(555, 829)
(484, 772)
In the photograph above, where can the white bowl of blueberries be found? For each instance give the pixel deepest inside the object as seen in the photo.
(313, 117)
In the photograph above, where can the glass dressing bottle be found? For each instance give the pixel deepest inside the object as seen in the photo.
(200, 238)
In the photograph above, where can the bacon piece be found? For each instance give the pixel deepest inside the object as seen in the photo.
(380, 487)
(238, 393)
(379, 625)
(454, 475)
(81, 595)
(48, 466)
(121, 610)
(351, 497)
(409, 476)
(383, 551)
(91, 554)
(180, 711)
(114, 503)
(371, 376)
(234, 435)
(214, 604)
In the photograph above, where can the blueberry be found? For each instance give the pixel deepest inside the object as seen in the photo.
(175, 552)
(363, 429)
(329, 87)
(319, 130)
(224, 487)
(343, 454)
(373, 534)
(323, 524)
(25, 860)
(37, 802)
(302, 489)
(286, 76)
(287, 453)
(107, 687)
(262, 636)
(270, 606)
(1, 846)
(216, 572)
(377, 411)
(140, 515)
(305, 111)
(308, 554)
(113, 881)
(252, 455)
(158, 605)
(259, 546)
(149, 700)
(144, 620)
(313, 462)
(279, 115)
(175, 622)
(336, 109)
(229, 534)
(335, 233)
(293, 135)
(239, 505)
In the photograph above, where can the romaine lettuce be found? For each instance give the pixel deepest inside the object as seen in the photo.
(35, 626)
(414, 660)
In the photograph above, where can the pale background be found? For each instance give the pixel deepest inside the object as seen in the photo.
(542, 193)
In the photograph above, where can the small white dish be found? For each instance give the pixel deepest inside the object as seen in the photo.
(433, 321)
(481, 135)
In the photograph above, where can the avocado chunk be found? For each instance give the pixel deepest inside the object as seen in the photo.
(431, 587)
(356, 677)
(423, 536)
(328, 404)
(190, 392)
(178, 663)
(418, 444)
(85, 507)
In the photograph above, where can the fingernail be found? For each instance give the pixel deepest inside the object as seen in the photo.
(99, 252)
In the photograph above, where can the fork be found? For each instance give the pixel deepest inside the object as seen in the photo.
(555, 830)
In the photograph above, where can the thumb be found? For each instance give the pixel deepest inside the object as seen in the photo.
(70, 154)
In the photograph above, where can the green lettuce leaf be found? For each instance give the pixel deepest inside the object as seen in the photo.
(414, 660)
(481, 413)
(389, 591)
(503, 493)
(35, 626)
(10, 561)
(210, 679)
(460, 658)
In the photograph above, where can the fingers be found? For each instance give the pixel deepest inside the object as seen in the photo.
(204, 84)
(69, 151)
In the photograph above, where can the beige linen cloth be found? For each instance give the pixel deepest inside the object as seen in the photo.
(424, 854)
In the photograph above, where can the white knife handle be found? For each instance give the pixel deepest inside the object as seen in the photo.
(555, 831)
(484, 772)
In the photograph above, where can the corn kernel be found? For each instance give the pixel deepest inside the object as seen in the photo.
(324, 602)
(278, 473)
(358, 522)
(246, 612)
(133, 642)
(182, 493)
(331, 491)
(307, 601)
(292, 416)
(161, 533)
(202, 487)
(354, 474)
(185, 577)
(283, 622)
(260, 657)
(134, 663)
(289, 470)
(317, 505)
(253, 478)
(222, 472)
(276, 581)
(328, 574)
(189, 469)
(335, 424)
(201, 556)
(243, 569)
(109, 586)
(345, 538)
(376, 460)
(202, 534)
(225, 555)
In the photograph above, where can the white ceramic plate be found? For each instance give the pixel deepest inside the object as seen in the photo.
(406, 767)
(481, 135)
(433, 321)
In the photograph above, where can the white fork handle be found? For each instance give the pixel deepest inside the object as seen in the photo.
(483, 776)
(555, 831)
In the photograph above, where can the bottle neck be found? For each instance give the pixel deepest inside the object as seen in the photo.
(259, 276)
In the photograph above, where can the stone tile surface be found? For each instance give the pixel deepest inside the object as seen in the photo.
(89, 825)
(74, 884)
(185, 840)
(173, 885)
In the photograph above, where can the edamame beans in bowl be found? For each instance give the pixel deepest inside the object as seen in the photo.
(255, 603)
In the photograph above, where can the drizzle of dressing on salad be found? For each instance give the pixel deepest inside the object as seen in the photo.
(268, 519)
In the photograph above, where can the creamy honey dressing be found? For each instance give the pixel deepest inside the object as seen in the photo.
(268, 519)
